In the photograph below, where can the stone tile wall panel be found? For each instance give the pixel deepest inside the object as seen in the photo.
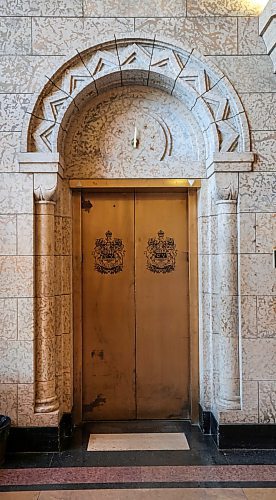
(264, 143)
(16, 276)
(64, 35)
(249, 40)
(257, 192)
(260, 109)
(239, 70)
(9, 147)
(257, 275)
(249, 316)
(16, 193)
(123, 8)
(8, 323)
(265, 232)
(25, 318)
(17, 361)
(258, 357)
(15, 35)
(8, 235)
(229, 8)
(8, 401)
(266, 316)
(247, 232)
(63, 8)
(12, 110)
(30, 72)
(209, 35)
(267, 395)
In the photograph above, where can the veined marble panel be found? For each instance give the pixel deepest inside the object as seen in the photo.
(257, 192)
(267, 396)
(67, 352)
(67, 392)
(265, 232)
(257, 276)
(16, 193)
(8, 401)
(247, 232)
(9, 147)
(58, 354)
(45, 264)
(63, 207)
(249, 40)
(66, 274)
(41, 8)
(124, 8)
(25, 234)
(16, 276)
(260, 109)
(66, 314)
(30, 72)
(239, 70)
(12, 111)
(258, 357)
(26, 415)
(231, 8)
(225, 268)
(249, 412)
(8, 315)
(266, 316)
(62, 35)
(25, 318)
(228, 316)
(249, 316)
(15, 35)
(209, 35)
(17, 361)
(8, 235)
(264, 143)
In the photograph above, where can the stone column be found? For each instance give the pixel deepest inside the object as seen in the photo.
(227, 287)
(46, 399)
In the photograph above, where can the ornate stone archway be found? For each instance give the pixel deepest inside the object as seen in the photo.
(215, 106)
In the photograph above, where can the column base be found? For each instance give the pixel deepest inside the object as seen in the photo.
(46, 405)
(229, 404)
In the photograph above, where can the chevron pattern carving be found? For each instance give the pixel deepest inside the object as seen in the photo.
(162, 64)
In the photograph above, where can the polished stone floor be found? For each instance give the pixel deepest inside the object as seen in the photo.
(196, 473)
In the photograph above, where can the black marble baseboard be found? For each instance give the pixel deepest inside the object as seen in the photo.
(238, 436)
(41, 439)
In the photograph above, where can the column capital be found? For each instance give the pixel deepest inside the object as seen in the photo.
(45, 186)
(227, 194)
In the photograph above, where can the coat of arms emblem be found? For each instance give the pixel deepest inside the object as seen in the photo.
(109, 254)
(161, 253)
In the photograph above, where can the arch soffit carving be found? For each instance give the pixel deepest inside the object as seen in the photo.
(183, 73)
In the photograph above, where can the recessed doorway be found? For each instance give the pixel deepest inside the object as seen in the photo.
(134, 319)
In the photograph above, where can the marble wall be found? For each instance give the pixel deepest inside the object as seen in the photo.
(36, 38)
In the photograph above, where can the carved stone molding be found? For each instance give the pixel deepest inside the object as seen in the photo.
(45, 186)
(229, 193)
(267, 29)
(184, 73)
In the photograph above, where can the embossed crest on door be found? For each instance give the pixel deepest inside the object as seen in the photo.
(109, 254)
(161, 253)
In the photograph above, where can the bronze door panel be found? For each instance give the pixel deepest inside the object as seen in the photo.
(135, 306)
(162, 322)
(108, 308)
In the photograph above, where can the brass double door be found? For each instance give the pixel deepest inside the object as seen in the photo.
(135, 306)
